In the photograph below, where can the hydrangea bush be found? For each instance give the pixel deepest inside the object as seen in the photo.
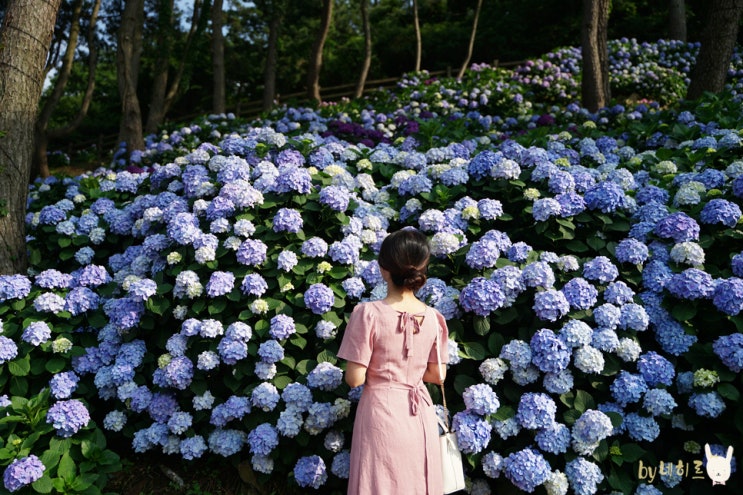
(589, 267)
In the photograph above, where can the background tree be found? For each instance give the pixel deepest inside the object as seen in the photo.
(25, 36)
(418, 37)
(718, 39)
(366, 27)
(677, 20)
(129, 50)
(274, 10)
(595, 91)
(219, 103)
(166, 89)
(42, 131)
(315, 61)
(471, 44)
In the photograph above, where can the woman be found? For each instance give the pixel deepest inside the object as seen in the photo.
(390, 348)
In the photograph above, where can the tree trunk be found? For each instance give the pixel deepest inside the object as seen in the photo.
(418, 39)
(25, 37)
(313, 72)
(163, 95)
(42, 132)
(128, 54)
(367, 49)
(471, 46)
(595, 91)
(272, 57)
(677, 20)
(219, 103)
(163, 44)
(717, 43)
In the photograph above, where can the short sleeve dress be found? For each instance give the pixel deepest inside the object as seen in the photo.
(394, 449)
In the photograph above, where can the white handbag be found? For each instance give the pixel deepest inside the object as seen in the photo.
(452, 469)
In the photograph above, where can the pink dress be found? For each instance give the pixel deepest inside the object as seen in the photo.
(395, 447)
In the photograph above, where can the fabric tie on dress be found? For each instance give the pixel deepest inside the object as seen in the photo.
(409, 325)
(416, 395)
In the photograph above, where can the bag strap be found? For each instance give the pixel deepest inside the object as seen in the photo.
(445, 423)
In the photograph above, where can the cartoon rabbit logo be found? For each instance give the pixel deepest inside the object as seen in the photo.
(718, 467)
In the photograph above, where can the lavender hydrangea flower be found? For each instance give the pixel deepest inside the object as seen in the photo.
(632, 251)
(36, 333)
(22, 472)
(287, 220)
(600, 269)
(692, 284)
(678, 226)
(319, 298)
(220, 283)
(282, 327)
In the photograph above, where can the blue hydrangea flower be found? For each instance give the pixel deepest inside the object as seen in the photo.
(481, 296)
(263, 439)
(720, 211)
(588, 359)
(728, 296)
(481, 398)
(220, 283)
(63, 384)
(518, 252)
(310, 471)
(265, 396)
(631, 251)
(473, 432)
(538, 274)
(633, 317)
(482, 254)
(580, 293)
(691, 284)
(583, 475)
(600, 269)
(544, 208)
(36, 333)
(549, 352)
(729, 348)
(325, 376)
(554, 439)
(658, 402)
(550, 305)
(628, 387)
(589, 429)
(287, 220)
(606, 196)
(270, 351)
(536, 410)
(526, 469)
(707, 404)
(517, 352)
(641, 427)
(226, 442)
(252, 252)
(282, 327)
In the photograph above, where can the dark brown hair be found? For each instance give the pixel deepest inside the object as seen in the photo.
(405, 253)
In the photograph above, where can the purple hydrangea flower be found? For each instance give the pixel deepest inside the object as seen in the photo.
(220, 284)
(22, 472)
(68, 417)
(252, 252)
(319, 298)
(600, 269)
(36, 333)
(692, 283)
(287, 220)
(728, 296)
(282, 327)
(678, 226)
(254, 285)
